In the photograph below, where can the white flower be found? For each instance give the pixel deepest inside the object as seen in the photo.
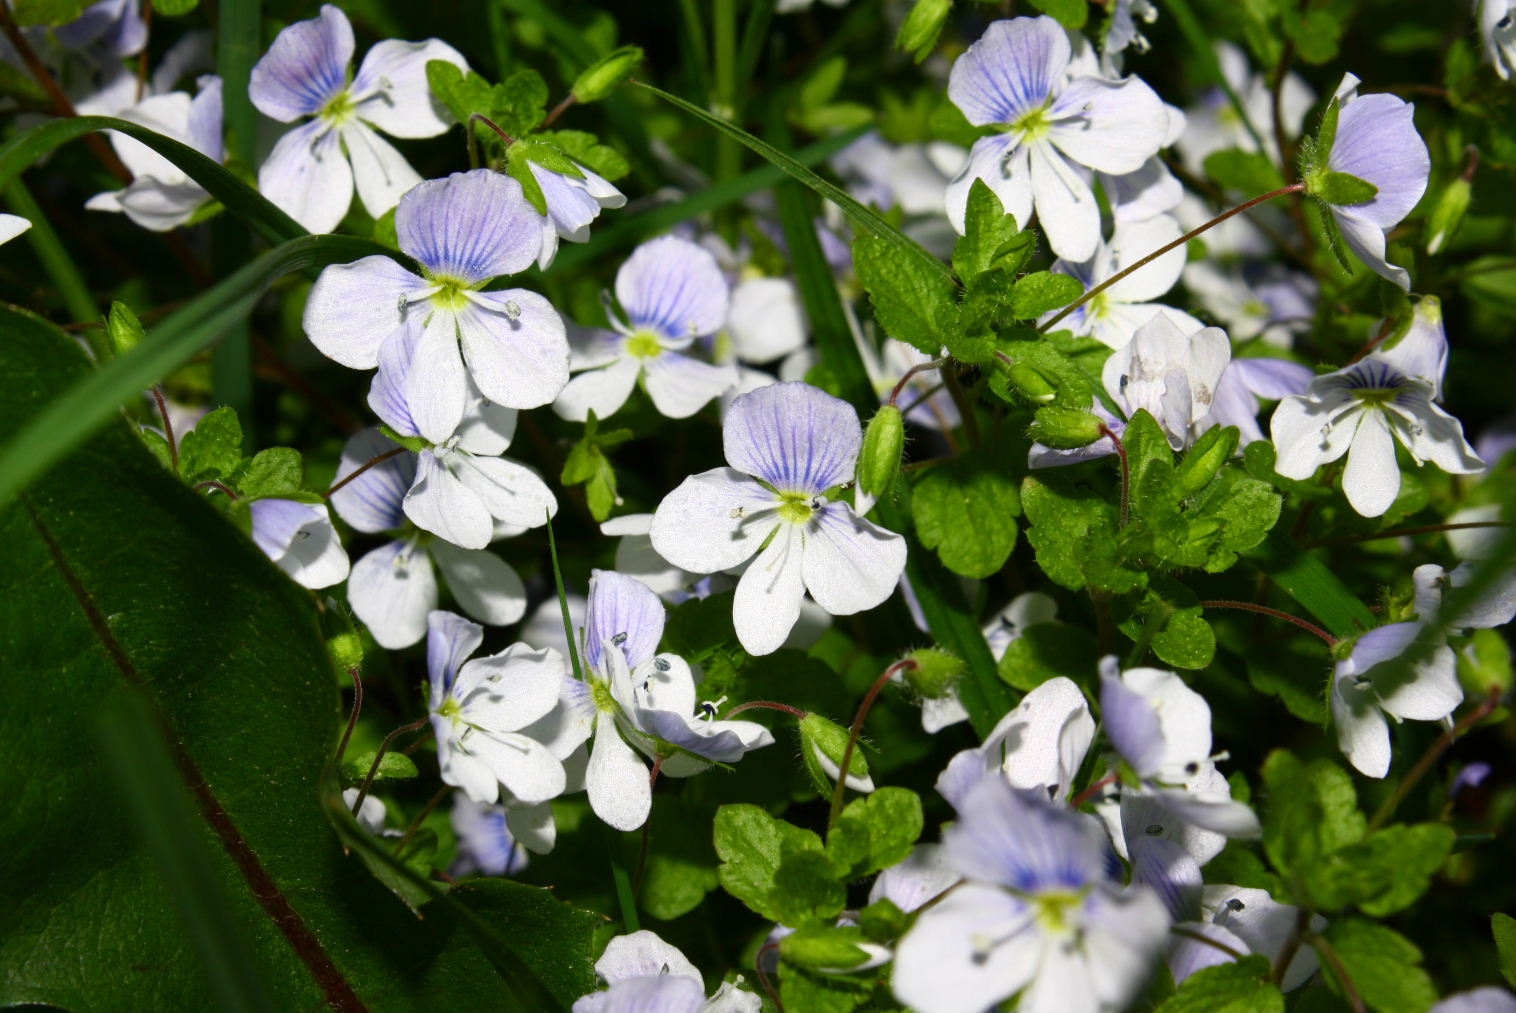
(1016, 77)
(300, 539)
(370, 815)
(1214, 124)
(312, 170)
(485, 842)
(160, 196)
(1271, 304)
(1368, 687)
(1113, 316)
(12, 226)
(673, 292)
(573, 203)
(464, 230)
(479, 709)
(645, 973)
(1497, 29)
(1246, 920)
(1363, 409)
(788, 444)
(1171, 375)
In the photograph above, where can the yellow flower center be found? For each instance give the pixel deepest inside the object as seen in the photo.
(795, 507)
(1034, 124)
(643, 345)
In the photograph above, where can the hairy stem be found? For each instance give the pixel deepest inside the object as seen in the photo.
(352, 719)
(854, 732)
(168, 428)
(1264, 610)
(410, 831)
(765, 705)
(373, 770)
(1126, 472)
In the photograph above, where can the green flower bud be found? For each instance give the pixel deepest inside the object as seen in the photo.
(606, 74)
(1205, 460)
(123, 328)
(1065, 428)
(1031, 383)
(1447, 214)
(822, 744)
(879, 461)
(918, 35)
(342, 638)
(935, 672)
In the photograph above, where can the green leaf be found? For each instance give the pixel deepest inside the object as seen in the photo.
(1242, 986)
(1312, 813)
(1341, 189)
(806, 891)
(1250, 172)
(175, 8)
(1045, 651)
(751, 845)
(1071, 14)
(1305, 578)
(803, 989)
(867, 221)
(275, 471)
(1383, 965)
(992, 241)
(911, 302)
(393, 766)
(270, 223)
(874, 832)
(1316, 32)
(966, 510)
(213, 449)
(177, 614)
(1075, 535)
(1042, 292)
(828, 949)
(1385, 872)
(1173, 626)
(681, 867)
(587, 150)
(1292, 671)
(1503, 926)
(46, 13)
(93, 400)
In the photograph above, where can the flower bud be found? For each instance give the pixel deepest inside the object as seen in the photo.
(342, 638)
(1204, 460)
(605, 75)
(1065, 428)
(934, 673)
(879, 460)
(822, 744)
(918, 35)
(1031, 383)
(123, 327)
(1447, 214)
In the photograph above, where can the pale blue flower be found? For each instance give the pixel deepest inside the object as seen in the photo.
(485, 843)
(300, 539)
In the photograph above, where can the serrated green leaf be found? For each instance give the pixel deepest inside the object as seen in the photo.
(803, 989)
(1385, 872)
(1384, 966)
(966, 510)
(751, 845)
(1042, 292)
(1074, 532)
(828, 949)
(912, 304)
(1312, 814)
(992, 241)
(587, 150)
(213, 449)
(276, 471)
(805, 890)
(874, 832)
(1242, 986)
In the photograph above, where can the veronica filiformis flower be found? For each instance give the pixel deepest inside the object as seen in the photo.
(1214, 124)
(1497, 30)
(393, 588)
(485, 843)
(480, 707)
(787, 445)
(1243, 382)
(160, 196)
(312, 170)
(672, 292)
(1169, 373)
(573, 204)
(1245, 920)
(1114, 315)
(642, 972)
(12, 226)
(1040, 918)
(464, 231)
(633, 696)
(911, 177)
(1269, 303)
(1364, 409)
(1376, 140)
(300, 539)
(1015, 77)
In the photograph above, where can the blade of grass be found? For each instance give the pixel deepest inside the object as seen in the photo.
(632, 229)
(563, 603)
(59, 266)
(865, 219)
(93, 401)
(236, 196)
(1310, 582)
(155, 800)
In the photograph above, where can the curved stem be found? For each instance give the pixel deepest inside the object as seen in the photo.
(384, 746)
(1113, 279)
(1264, 610)
(920, 367)
(765, 705)
(1435, 751)
(211, 483)
(365, 466)
(558, 110)
(168, 428)
(1126, 472)
(410, 831)
(1091, 791)
(854, 732)
(1329, 954)
(1201, 937)
(352, 719)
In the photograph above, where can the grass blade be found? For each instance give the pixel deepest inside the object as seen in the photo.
(90, 403)
(1310, 582)
(57, 263)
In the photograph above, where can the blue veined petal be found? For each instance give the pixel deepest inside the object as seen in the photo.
(1377, 141)
(793, 436)
(673, 287)
(450, 640)
(485, 841)
(1130, 722)
(625, 612)
(305, 68)
(373, 501)
(387, 393)
(1017, 839)
(1012, 69)
(469, 227)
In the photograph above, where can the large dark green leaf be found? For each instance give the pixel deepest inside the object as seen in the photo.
(123, 587)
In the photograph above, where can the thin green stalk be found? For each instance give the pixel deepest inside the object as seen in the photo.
(724, 59)
(563, 604)
(59, 266)
(625, 898)
(754, 34)
(238, 33)
(696, 45)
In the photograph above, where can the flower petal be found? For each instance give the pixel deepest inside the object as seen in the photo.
(1367, 242)
(1005, 169)
(969, 951)
(1112, 127)
(486, 586)
(392, 589)
(353, 308)
(516, 347)
(470, 226)
(523, 766)
(617, 779)
(1363, 735)
(795, 437)
(602, 391)
(673, 287)
(705, 526)
(766, 321)
(392, 91)
(1066, 207)
(511, 492)
(1306, 436)
(450, 640)
(439, 503)
(769, 593)
(308, 177)
(381, 173)
(305, 68)
(849, 564)
(1011, 70)
(1377, 141)
(374, 501)
(624, 612)
(436, 387)
(681, 385)
(1371, 480)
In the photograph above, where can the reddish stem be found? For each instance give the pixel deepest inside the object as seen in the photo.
(1090, 792)
(1126, 472)
(168, 428)
(1264, 610)
(766, 705)
(352, 719)
(855, 731)
(365, 466)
